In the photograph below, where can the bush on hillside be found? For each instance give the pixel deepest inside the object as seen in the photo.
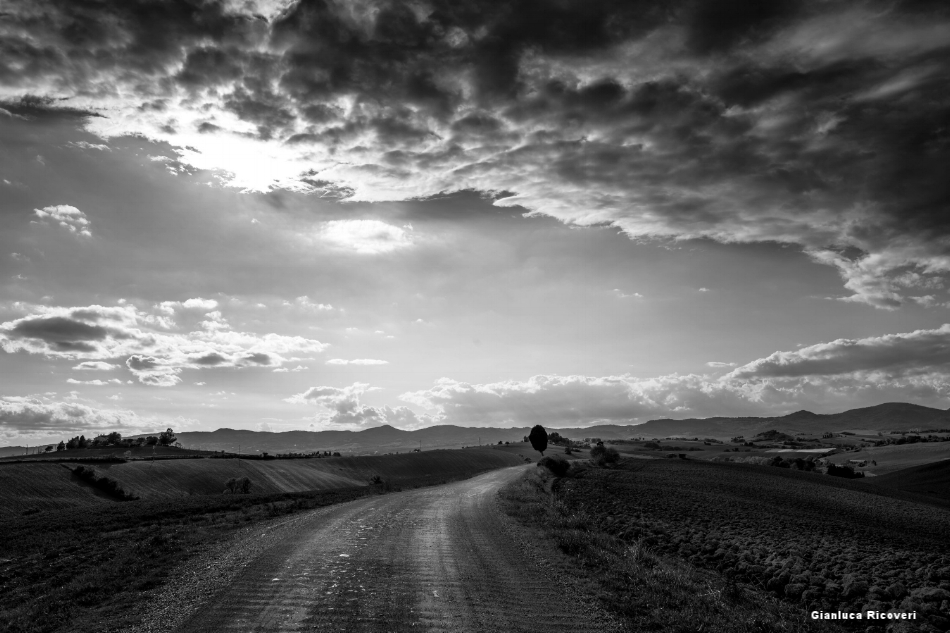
(604, 455)
(557, 465)
(106, 484)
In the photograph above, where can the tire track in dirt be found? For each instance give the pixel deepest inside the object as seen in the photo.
(435, 559)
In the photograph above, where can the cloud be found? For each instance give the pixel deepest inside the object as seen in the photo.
(357, 361)
(623, 295)
(97, 383)
(898, 355)
(96, 335)
(66, 216)
(815, 125)
(368, 237)
(305, 303)
(87, 145)
(95, 365)
(200, 304)
(343, 408)
(25, 415)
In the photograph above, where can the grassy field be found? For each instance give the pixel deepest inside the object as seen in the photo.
(810, 540)
(38, 486)
(71, 560)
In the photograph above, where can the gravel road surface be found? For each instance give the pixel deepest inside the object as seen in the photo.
(443, 558)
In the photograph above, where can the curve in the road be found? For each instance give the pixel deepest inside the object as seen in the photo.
(435, 559)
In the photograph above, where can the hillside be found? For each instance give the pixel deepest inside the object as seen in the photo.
(38, 487)
(41, 486)
(929, 479)
(890, 416)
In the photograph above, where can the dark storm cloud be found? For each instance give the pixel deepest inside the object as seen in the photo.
(59, 330)
(823, 125)
(210, 359)
(141, 363)
(72, 40)
(44, 108)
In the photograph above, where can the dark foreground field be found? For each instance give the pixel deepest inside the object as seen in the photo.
(810, 540)
(91, 565)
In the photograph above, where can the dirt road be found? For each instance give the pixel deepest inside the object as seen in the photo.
(435, 559)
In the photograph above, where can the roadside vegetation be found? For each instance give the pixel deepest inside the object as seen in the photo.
(677, 545)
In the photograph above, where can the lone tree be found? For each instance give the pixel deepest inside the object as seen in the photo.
(539, 439)
(167, 437)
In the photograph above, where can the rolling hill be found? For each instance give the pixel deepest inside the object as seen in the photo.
(928, 479)
(44, 486)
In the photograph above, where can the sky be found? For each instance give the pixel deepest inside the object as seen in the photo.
(326, 214)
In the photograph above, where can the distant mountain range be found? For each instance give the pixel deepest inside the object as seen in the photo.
(891, 416)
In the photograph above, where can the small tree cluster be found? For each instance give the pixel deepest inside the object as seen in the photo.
(106, 484)
(604, 455)
(846, 472)
(234, 485)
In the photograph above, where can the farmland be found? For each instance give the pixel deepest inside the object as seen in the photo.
(36, 486)
(893, 457)
(808, 539)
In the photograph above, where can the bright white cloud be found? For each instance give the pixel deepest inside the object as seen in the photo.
(66, 216)
(368, 237)
(200, 304)
(97, 383)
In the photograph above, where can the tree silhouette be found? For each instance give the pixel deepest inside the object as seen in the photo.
(539, 439)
